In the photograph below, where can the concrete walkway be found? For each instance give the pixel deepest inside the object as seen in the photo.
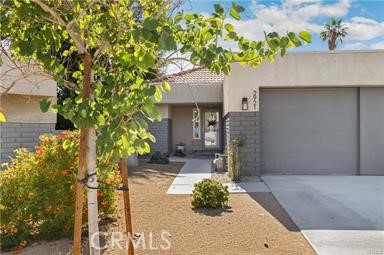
(196, 170)
(193, 171)
(337, 214)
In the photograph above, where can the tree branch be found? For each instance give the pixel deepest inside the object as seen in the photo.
(81, 14)
(75, 37)
(163, 8)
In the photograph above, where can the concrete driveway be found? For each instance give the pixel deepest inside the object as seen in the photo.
(337, 214)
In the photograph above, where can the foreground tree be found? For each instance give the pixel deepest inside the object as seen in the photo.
(115, 46)
(334, 31)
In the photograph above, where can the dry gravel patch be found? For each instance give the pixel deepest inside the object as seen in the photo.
(254, 224)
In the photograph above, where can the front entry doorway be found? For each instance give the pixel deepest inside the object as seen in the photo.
(212, 130)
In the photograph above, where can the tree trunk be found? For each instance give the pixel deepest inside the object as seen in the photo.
(127, 205)
(93, 215)
(87, 60)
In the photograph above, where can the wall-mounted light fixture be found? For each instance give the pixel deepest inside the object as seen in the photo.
(244, 103)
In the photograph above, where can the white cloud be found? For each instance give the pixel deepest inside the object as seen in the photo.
(379, 45)
(297, 15)
(355, 46)
(361, 28)
(363, 46)
(336, 10)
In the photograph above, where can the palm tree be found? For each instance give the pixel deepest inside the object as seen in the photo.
(333, 32)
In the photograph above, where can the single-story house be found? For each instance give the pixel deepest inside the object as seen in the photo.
(307, 113)
(20, 98)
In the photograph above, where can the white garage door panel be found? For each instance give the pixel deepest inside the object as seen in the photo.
(309, 131)
(372, 131)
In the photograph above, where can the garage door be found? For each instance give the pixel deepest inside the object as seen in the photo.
(309, 131)
(372, 131)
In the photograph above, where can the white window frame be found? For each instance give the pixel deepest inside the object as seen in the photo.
(195, 121)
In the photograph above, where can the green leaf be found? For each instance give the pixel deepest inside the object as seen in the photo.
(125, 146)
(142, 123)
(234, 14)
(206, 32)
(2, 117)
(150, 24)
(101, 119)
(284, 42)
(282, 52)
(158, 94)
(166, 86)
(229, 27)
(44, 105)
(151, 110)
(150, 91)
(67, 144)
(218, 8)
(292, 36)
(306, 36)
(238, 8)
(148, 60)
(231, 35)
(83, 113)
(17, 3)
(151, 137)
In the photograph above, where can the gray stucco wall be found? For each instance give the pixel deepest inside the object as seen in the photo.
(21, 135)
(163, 132)
(245, 125)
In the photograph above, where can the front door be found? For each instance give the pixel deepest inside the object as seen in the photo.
(212, 130)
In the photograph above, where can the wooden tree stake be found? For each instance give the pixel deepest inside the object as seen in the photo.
(127, 205)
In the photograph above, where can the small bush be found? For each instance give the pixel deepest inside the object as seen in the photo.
(159, 158)
(210, 194)
(37, 192)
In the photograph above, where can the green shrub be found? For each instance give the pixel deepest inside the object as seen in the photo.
(158, 158)
(37, 192)
(210, 194)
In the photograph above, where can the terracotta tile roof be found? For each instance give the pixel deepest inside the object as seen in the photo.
(198, 75)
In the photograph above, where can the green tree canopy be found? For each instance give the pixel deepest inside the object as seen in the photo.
(124, 49)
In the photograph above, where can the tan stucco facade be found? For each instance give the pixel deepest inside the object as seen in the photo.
(33, 83)
(191, 93)
(165, 110)
(20, 94)
(26, 109)
(303, 69)
(182, 127)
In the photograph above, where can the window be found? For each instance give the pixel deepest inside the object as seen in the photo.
(196, 123)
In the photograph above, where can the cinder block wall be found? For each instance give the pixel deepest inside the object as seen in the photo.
(245, 125)
(163, 132)
(21, 135)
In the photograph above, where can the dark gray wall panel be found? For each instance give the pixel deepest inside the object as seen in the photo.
(21, 135)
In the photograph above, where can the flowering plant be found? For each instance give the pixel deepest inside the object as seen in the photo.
(37, 191)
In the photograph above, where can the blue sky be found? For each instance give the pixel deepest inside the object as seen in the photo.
(364, 19)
